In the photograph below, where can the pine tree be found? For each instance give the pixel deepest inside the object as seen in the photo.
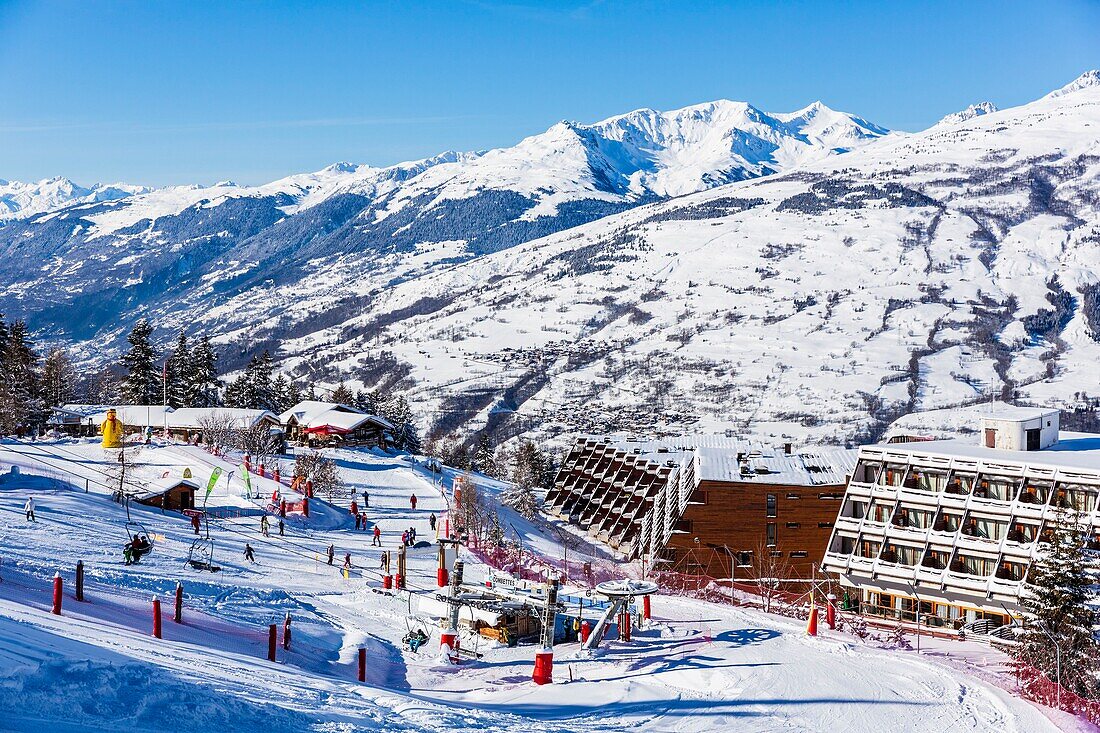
(528, 475)
(178, 368)
(20, 400)
(1059, 621)
(202, 384)
(255, 389)
(484, 461)
(281, 391)
(141, 386)
(59, 378)
(342, 395)
(311, 393)
(405, 435)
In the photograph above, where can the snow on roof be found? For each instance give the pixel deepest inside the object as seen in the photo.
(956, 422)
(315, 414)
(154, 415)
(744, 461)
(163, 486)
(1072, 451)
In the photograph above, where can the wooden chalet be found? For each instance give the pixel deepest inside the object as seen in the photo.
(184, 423)
(704, 505)
(172, 494)
(316, 423)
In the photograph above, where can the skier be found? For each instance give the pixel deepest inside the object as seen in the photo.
(377, 541)
(358, 521)
(331, 552)
(405, 538)
(264, 526)
(28, 508)
(366, 499)
(195, 522)
(412, 501)
(347, 561)
(364, 515)
(412, 536)
(248, 553)
(431, 521)
(280, 528)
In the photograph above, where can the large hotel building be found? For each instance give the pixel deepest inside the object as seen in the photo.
(947, 529)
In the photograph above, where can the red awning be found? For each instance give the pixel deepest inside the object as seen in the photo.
(326, 430)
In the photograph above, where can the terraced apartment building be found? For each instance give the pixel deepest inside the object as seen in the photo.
(944, 531)
(703, 505)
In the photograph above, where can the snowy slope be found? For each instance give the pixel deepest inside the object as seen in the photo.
(698, 667)
(922, 271)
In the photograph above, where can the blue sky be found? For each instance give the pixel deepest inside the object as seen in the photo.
(161, 93)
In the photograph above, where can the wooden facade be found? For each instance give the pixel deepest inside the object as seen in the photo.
(705, 505)
(177, 497)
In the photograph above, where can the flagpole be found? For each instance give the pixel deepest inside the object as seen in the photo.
(164, 382)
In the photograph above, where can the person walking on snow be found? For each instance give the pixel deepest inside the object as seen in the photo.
(354, 507)
(412, 536)
(280, 528)
(412, 501)
(264, 526)
(331, 552)
(28, 509)
(195, 522)
(347, 561)
(377, 541)
(405, 538)
(248, 553)
(366, 499)
(431, 521)
(358, 521)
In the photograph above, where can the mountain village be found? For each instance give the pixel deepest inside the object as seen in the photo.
(626, 426)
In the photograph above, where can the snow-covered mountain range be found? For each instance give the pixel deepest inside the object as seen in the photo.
(707, 269)
(22, 200)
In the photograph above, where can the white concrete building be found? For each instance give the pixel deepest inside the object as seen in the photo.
(948, 529)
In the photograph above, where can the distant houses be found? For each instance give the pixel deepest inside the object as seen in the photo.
(311, 423)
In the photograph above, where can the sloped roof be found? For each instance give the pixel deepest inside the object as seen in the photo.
(164, 485)
(154, 415)
(315, 414)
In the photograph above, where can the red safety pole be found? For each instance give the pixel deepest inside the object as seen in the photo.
(362, 664)
(80, 580)
(811, 625)
(586, 631)
(261, 470)
(57, 585)
(178, 616)
(276, 474)
(305, 505)
(646, 611)
(830, 611)
(271, 635)
(624, 626)
(156, 617)
(286, 631)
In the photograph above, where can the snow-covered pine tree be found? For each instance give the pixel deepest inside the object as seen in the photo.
(285, 393)
(1058, 619)
(177, 367)
(202, 383)
(262, 382)
(342, 395)
(405, 435)
(311, 393)
(527, 474)
(59, 378)
(484, 460)
(141, 385)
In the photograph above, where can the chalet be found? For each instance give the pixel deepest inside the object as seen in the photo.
(172, 494)
(704, 505)
(316, 423)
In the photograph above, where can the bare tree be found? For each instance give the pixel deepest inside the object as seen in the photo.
(770, 569)
(217, 430)
(257, 441)
(323, 473)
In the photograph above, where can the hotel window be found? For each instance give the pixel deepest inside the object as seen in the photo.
(936, 559)
(867, 472)
(869, 549)
(913, 518)
(771, 534)
(744, 558)
(842, 545)
(793, 497)
(1022, 532)
(771, 505)
(985, 528)
(931, 481)
(1074, 496)
(893, 475)
(854, 509)
(999, 488)
(1013, 571)
(982, 567)
(824, 525)
(960, 483)
(1035, 492)
(947, 522)
(881, 511)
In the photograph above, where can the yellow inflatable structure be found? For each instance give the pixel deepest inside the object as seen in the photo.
(112, 431)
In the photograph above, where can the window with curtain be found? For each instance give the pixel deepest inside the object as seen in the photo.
(880, 512)
(948, 522)
(960, 483)
(1000, 488)
(1035, 492)
(867, 472)
(932, 481)
(893, 475)
(869, 548)
(974, 565)
(990, 529)
(1074, 496)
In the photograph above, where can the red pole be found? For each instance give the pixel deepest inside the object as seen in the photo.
(271, 634)
(247, 462)
(811, 625)
(362, 664)
(57, 594)
(178, 617)
(286, 631)
(276, 474)
(830, 615)
(586, 631)
(646, 614)
(305, 506)
(156, 617)
(261, 470)
(80, 580)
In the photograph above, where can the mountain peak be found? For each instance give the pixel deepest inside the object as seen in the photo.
(1090, 79)
(974, 110)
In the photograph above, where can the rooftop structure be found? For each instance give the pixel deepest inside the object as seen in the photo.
(950, 528)
(316, 422)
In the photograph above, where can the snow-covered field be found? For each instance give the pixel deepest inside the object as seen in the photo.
(697, 666)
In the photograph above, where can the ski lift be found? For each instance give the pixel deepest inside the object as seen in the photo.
(141, 540)
(201, 555)
(416, 638)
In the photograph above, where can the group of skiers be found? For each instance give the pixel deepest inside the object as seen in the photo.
(136, 548)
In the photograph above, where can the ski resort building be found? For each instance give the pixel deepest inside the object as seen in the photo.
(947, 529)
(704, 505)
(183, 423)
(328, 423)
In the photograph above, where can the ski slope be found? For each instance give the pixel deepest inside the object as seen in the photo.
(697, 667)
